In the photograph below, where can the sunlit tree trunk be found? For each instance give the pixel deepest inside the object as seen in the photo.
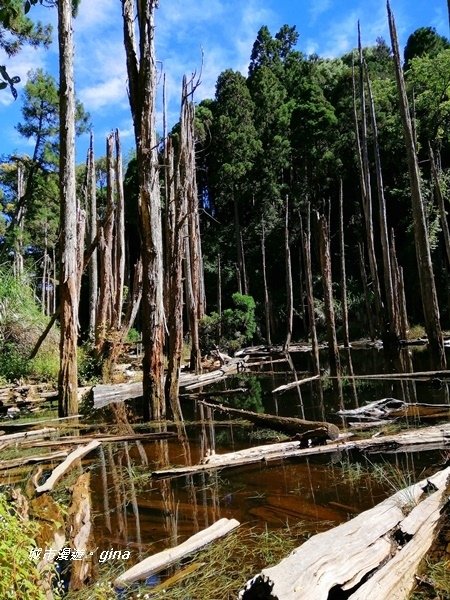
(310, 297)
(141, 68)
(266, 289)
(425, 267)
(91, 207)
(289, 292)
(343, 270)
(119, 238)
(68, 276)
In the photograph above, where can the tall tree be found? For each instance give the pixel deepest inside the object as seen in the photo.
(141, 67)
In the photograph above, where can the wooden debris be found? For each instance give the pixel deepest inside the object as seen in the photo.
(380, 547)
(288, 425)
(80, 535)
(12, 437)
(418, 439)
(61, 469)
(19, 462)
(293, 384)
(162, 560)
(394, 409)
(104, 438)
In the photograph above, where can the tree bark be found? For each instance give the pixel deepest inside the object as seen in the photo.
(119, 238)
(266, 289)
(68, 278)
(91, 207)
(289, 292)
(425, 267)
(310, 299)
(343, 272)
(141, 67)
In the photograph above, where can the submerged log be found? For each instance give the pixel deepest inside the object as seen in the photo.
(288, 425)
(61, 469)
(394, 409)
(419, 439)
(166, 558)
(375, 555)
(84, 439)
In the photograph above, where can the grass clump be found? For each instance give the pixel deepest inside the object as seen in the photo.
(19, 576)
(225, 566)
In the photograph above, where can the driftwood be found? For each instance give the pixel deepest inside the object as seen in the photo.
(11, 438)
(106, 394)
(293, 384)
(166, 558)
(381, 549)
(393, 408)
(61, 469)
(288, 425)
(419, 439)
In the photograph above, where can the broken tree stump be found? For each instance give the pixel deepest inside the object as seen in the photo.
(375, 555)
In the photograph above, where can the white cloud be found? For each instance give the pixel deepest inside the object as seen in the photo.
(318, 8)
(104, 94)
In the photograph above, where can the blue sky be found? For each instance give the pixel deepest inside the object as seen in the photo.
(224, 30)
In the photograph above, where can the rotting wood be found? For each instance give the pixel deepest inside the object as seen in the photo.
(380, 544)
(162, 560)
(19, 462)
(292, 384)
(418, 438)
(61, 469)
(393, 409)
(289, 425)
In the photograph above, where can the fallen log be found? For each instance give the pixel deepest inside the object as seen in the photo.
(166, 558)
(84, 439)
(436, 436)
(394, 409)
(61, 469)
(289, 425)
(105, 394)
(293, 384)
(375, 555)
(10, 438)
(20, 462)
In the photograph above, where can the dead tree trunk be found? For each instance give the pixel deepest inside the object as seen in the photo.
(343, 271)
(289, 292)
(68, 277)
(310, 299)
(141, 67)
(266, 289)
(325, 261)
(440, 201)
(369, 311)
(119, 237)
(390, 336)
(91, 207)
(425, 267)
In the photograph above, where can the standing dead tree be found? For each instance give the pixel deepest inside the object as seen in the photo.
(139, 28)
(423, 253)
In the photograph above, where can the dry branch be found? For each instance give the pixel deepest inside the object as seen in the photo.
(61, 469)
(292, 384)
(20, 462)
(162, 560)
(380, 545)
(394, 409)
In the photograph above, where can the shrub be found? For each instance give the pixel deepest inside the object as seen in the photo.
(233, 329)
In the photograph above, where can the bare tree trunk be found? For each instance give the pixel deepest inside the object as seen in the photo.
(119, 238)
(91, 207)
(141, 67)
(20, 223)
(343, 272)
(243, 286)
(425, 267)
(392, 338)
(68, 277)
(266, 289)
(399, 289)
(105, 316)
(366, 192)
(325, 261)
(289, 292)
(369, 311)
(44, 290)
(310, 298)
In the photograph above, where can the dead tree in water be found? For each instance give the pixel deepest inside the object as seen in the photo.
(91, 208)
(310, 297)
(138, 20)
(289, 292)
(425, 267)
